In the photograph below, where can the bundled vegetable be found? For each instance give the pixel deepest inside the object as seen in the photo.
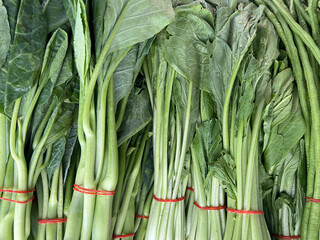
(159, 119)
(115, 26)
(175, 115)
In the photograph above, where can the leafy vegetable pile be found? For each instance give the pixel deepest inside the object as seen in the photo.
(159, 119)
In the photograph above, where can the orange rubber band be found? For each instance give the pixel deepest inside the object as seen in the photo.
(16, 201)
(244, 211)
(209, 208)
(140, 216)
(56, 220)
(14, 191)
(91, 191)
(190, 189)
(123, 236)
(309, 199)
(285, 237)
(168, 200)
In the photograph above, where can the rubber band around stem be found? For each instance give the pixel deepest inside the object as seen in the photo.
(16, 191)
(309, 199)
(56, 220)
(93, 192)
(123, 236)
(190, 189)
(168, 200)
(285, 237)
(140, 216)
(16, 201)
(244, 211)
(217, 208)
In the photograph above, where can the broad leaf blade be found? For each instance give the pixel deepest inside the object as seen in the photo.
(26, 51)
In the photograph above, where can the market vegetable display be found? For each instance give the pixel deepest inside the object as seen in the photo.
(159, 119)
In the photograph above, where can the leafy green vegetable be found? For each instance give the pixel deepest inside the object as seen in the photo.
(26, 51)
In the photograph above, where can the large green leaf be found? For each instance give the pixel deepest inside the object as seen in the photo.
(129, 21)
(5, 34)
(186, 49)
(26, 51)
(283, 122)
(128, 69)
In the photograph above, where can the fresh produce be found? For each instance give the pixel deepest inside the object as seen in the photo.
(159, 119)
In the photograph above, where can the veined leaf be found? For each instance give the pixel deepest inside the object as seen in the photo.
(136, 21)
(26, 51)
(186, 49)
(5, 37)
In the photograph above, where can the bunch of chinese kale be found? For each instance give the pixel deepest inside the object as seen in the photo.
(159, 119)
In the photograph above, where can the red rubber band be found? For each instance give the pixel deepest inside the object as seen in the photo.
(91, 191)
(209, 208)
(16, 201)
(190, 189)
(309, 199)
(13, 191)
(168, 200)
(123, 236)
(285, 237)
(244, 211)
(140, 216)
(56, 220)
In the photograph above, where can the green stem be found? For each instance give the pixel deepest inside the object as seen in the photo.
(184, 142)
(226, 111)
(3, 149)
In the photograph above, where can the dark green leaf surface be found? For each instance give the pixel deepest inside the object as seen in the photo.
(55, 14)
(137, 116)
(26, 51)
(5, 37)
(58, 149)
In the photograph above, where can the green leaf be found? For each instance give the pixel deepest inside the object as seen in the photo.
(224, 169)
(58, 149)
(81, 42)
(137, 115)
(283, 122)
(12, 7)
(138, 20)
(55, 14)
(207, 144)
(186, 49)
(26, 51)
(54, 56)
(128, 69)
(5, 37)
(69, 147)
(64, 121)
